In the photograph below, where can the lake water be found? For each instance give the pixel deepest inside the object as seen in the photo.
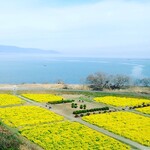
(49, 69)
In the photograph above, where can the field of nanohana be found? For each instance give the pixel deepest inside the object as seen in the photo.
(70, 135)
(7, 99)
(121, 101)
(43, 97)
(130, 125)
(51, 132)
(27, 115)
(145, 110)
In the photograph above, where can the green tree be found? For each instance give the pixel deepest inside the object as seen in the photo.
(81, 106)
(84, 106)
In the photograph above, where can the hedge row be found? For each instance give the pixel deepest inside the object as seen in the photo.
(139, 106)
(90, 110)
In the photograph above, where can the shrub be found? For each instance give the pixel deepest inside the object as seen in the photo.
(88, 114)
(81, 106)
(90, 110)
(59, 102)
(76, 116)
(84, 106)
(81, 115)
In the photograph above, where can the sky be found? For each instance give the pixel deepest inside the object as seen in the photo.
(102, 28)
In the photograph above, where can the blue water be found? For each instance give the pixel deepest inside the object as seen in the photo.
(50, 69)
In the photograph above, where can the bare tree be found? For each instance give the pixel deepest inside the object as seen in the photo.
(145, 82)
(99, 81)
(120, 81)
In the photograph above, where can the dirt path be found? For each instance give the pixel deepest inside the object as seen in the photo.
(30, 101)
(70, 117)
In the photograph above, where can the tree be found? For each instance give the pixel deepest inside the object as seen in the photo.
(84, 106)
(97, 81)
(72, 105)
(145, 82)
(137, 82)
(81, 106)
(120, 81)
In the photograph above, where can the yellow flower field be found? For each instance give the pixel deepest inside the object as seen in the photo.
(121, 101)
(130, 125)
(7, 99)
(27, 115)
(70, 136)
(145, 110)
(43, 97)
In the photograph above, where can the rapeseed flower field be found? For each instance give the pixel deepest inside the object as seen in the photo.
(43, 97)
(145, 110)
(133, 126)
(8, 99)
(70, 136)
(27, 115)
(121, 101)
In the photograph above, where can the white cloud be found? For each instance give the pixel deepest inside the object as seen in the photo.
(107, 24)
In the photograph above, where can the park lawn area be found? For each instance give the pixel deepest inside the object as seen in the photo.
(133, 126)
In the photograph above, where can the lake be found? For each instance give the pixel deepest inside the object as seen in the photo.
(17, 69)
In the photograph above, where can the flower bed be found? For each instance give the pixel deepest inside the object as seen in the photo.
(7, 99)
(130, 125)
(70, 135)
(145, 110)
(121, 101)
(27, 115)
(44, 97)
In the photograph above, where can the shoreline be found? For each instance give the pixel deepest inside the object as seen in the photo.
(84, 87)
(43, 86)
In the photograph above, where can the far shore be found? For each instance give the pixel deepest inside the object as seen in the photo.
(42, 86)
(84, 87)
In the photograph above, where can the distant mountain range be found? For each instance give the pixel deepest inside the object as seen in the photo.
(20, 50)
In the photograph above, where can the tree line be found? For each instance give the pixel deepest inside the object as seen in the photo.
(100, 81)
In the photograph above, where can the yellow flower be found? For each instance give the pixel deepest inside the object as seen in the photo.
(7, 99)
(121, 101)
(27, 115)
(145, 110)
(43, 97)
(130, 125)
(74, 136)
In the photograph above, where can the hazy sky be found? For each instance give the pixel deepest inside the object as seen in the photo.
(113, 28)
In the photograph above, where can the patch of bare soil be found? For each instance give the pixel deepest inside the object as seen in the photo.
(29, 147)
(66, 109)
(3, 131)
(71, 96)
